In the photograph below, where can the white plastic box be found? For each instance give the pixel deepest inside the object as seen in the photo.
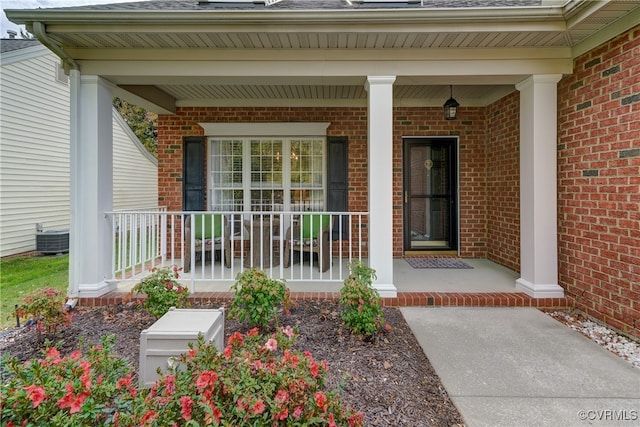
(170, 336)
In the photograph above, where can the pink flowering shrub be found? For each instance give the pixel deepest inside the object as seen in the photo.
(72, 391)
(45, 307)
(256, 381)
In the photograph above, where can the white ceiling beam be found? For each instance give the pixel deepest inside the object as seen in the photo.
(154, 71)
(305, 55)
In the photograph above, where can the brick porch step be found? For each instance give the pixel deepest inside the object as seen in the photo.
(404, 299)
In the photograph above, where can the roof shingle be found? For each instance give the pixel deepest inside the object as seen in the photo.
(193, 5)
(9, 45)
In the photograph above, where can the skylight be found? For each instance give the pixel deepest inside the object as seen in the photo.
(265, 2)
(385, 1)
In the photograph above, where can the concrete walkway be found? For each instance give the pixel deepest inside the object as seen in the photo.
(520, 367)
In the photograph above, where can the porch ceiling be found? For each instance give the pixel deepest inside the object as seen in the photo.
(324, 35)
(248, 94)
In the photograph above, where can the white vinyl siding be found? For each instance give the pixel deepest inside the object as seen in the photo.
(135, 170)
(34, 150)
(34, 153)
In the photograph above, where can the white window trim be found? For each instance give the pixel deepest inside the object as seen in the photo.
(284, 130)
(286, 171)
(266, 129)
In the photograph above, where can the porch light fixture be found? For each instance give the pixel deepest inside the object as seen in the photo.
(451, 106)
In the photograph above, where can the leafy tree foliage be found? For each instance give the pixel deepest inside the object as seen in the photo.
(143, 123)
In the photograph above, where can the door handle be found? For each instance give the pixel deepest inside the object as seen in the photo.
(406, 197)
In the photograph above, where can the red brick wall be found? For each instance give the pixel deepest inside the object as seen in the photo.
(599, 182)
(503, 181)
(172, 128)
(352, 122)
(598, 173)
(470, 128)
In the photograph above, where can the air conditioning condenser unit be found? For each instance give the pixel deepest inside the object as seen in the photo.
(52, 241)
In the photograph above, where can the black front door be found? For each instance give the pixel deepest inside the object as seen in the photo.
(193, 174)
(430, 194)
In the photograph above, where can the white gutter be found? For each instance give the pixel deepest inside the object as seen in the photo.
(40, 32)
(284, 17)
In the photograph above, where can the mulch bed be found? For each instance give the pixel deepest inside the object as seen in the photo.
(389, 378)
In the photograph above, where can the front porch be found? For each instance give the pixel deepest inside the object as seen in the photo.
(211, 248)
(521, 225)
(485, 277)
(487, 284)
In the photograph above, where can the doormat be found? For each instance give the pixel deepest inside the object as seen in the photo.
(436, 262)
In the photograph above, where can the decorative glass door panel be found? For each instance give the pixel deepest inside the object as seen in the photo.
(430, 221)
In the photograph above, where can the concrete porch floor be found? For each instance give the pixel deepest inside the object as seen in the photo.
(486, 285)
(485, 277)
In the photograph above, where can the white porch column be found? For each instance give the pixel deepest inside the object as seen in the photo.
(380, 145)
(91, 248)
(538, 187)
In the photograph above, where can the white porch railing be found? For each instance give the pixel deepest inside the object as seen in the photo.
(216, 246)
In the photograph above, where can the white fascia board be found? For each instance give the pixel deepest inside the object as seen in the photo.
(298, 25)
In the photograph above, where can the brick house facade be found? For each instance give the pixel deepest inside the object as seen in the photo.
(599, 182)
(598, 164)
(548, 153)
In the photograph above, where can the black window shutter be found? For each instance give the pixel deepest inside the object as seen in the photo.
(338, 183)
(193, 174)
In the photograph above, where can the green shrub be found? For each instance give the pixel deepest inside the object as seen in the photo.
(45, 307)
(162, 290)
(257, 298)
(361, 304)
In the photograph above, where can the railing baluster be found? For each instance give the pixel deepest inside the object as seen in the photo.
(142, 238)
(114, 228)
(163, 238)
(122, 248)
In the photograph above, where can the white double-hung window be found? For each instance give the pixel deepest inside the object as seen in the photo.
(267, 174)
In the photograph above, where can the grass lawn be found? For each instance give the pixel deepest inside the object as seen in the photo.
(21, 276)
